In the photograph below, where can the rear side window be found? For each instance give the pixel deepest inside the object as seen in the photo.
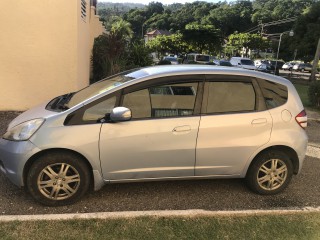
(228, 97)
(274, 94)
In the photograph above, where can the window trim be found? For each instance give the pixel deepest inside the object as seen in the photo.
(259, 100)
(200, 78)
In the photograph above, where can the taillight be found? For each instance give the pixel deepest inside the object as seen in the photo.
(302, 119)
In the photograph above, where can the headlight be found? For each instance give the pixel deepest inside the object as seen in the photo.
(24, 130)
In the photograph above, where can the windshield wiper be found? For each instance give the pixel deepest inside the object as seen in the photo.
(60, 103)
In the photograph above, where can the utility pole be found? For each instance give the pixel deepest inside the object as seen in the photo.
(315, 63)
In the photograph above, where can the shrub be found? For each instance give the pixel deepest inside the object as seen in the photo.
(314, 94)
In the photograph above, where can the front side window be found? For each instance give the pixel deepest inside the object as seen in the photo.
(99, 110)
(228, 97)
(169, 100)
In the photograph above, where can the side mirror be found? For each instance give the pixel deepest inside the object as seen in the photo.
(239, 63)
(120, 114)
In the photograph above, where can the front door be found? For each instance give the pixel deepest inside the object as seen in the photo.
(160, 140)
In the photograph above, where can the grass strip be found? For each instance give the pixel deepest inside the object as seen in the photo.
(303, 93)
(288, 226)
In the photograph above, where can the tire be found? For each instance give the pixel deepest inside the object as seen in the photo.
(58, 187)
(274, 169)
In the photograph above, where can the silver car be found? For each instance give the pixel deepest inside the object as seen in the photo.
(159, 123)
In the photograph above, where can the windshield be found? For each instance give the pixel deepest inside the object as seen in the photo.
(246, 62)
(101, 87)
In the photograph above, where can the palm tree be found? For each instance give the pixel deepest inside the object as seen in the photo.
(122, 28)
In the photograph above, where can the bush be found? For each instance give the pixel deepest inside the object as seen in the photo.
(314, 94)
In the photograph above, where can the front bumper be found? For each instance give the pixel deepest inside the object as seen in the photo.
(13, 157)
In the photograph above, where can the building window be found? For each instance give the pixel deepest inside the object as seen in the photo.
(83, 10)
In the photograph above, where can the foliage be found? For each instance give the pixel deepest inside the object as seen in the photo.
(314, 94)
(107, 53)
(267, 11)
(138, 55)
(206, 26)
(202, 37)
(122, 28)
(230, 17)
(114, 52)
(248, 41)
(173, 44)
(307, 33)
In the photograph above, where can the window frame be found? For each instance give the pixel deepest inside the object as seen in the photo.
(259, 83)
(76, 117)
(177, 79)
(260, 104)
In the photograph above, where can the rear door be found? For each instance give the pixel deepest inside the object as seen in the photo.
(234, 123)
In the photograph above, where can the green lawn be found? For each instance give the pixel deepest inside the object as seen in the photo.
(289, 226)
(303, 93)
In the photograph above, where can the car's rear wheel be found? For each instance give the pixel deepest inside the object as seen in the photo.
(58, 179)
(270, 173)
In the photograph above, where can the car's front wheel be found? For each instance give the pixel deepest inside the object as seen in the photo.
(58, 179)
(270, 173)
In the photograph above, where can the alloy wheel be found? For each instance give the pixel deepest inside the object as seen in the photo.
(58, 181)
(272, 174)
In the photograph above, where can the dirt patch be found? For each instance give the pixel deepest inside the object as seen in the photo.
(5, 118)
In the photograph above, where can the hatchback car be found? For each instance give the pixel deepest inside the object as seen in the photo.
(159, 123)
(288, 66)
(172, 60)
(302, 67)
(267, 68)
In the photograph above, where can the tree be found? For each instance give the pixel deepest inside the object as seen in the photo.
(138, 55)
(230, 17)
(173, 44)
(237, 41)
(202, 37)
(306, 33)
(122, 28)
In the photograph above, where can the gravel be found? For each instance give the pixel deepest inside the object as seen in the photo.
(231, 194)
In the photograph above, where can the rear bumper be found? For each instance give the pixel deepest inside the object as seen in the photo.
(13, 157)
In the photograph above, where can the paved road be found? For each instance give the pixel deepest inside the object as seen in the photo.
(176, 195)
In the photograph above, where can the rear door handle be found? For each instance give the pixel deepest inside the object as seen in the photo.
(259, 121)
(185, 128)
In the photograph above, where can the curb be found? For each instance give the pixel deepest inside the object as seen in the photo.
(313, 151)
(193, 213)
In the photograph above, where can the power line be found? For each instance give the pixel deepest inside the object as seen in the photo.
(277, 22)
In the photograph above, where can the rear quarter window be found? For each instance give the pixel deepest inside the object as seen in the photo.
(275, 94)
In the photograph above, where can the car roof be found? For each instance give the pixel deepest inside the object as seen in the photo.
(149, 73)
(186, 69)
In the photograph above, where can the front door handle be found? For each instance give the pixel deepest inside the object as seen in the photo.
(185, 128)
